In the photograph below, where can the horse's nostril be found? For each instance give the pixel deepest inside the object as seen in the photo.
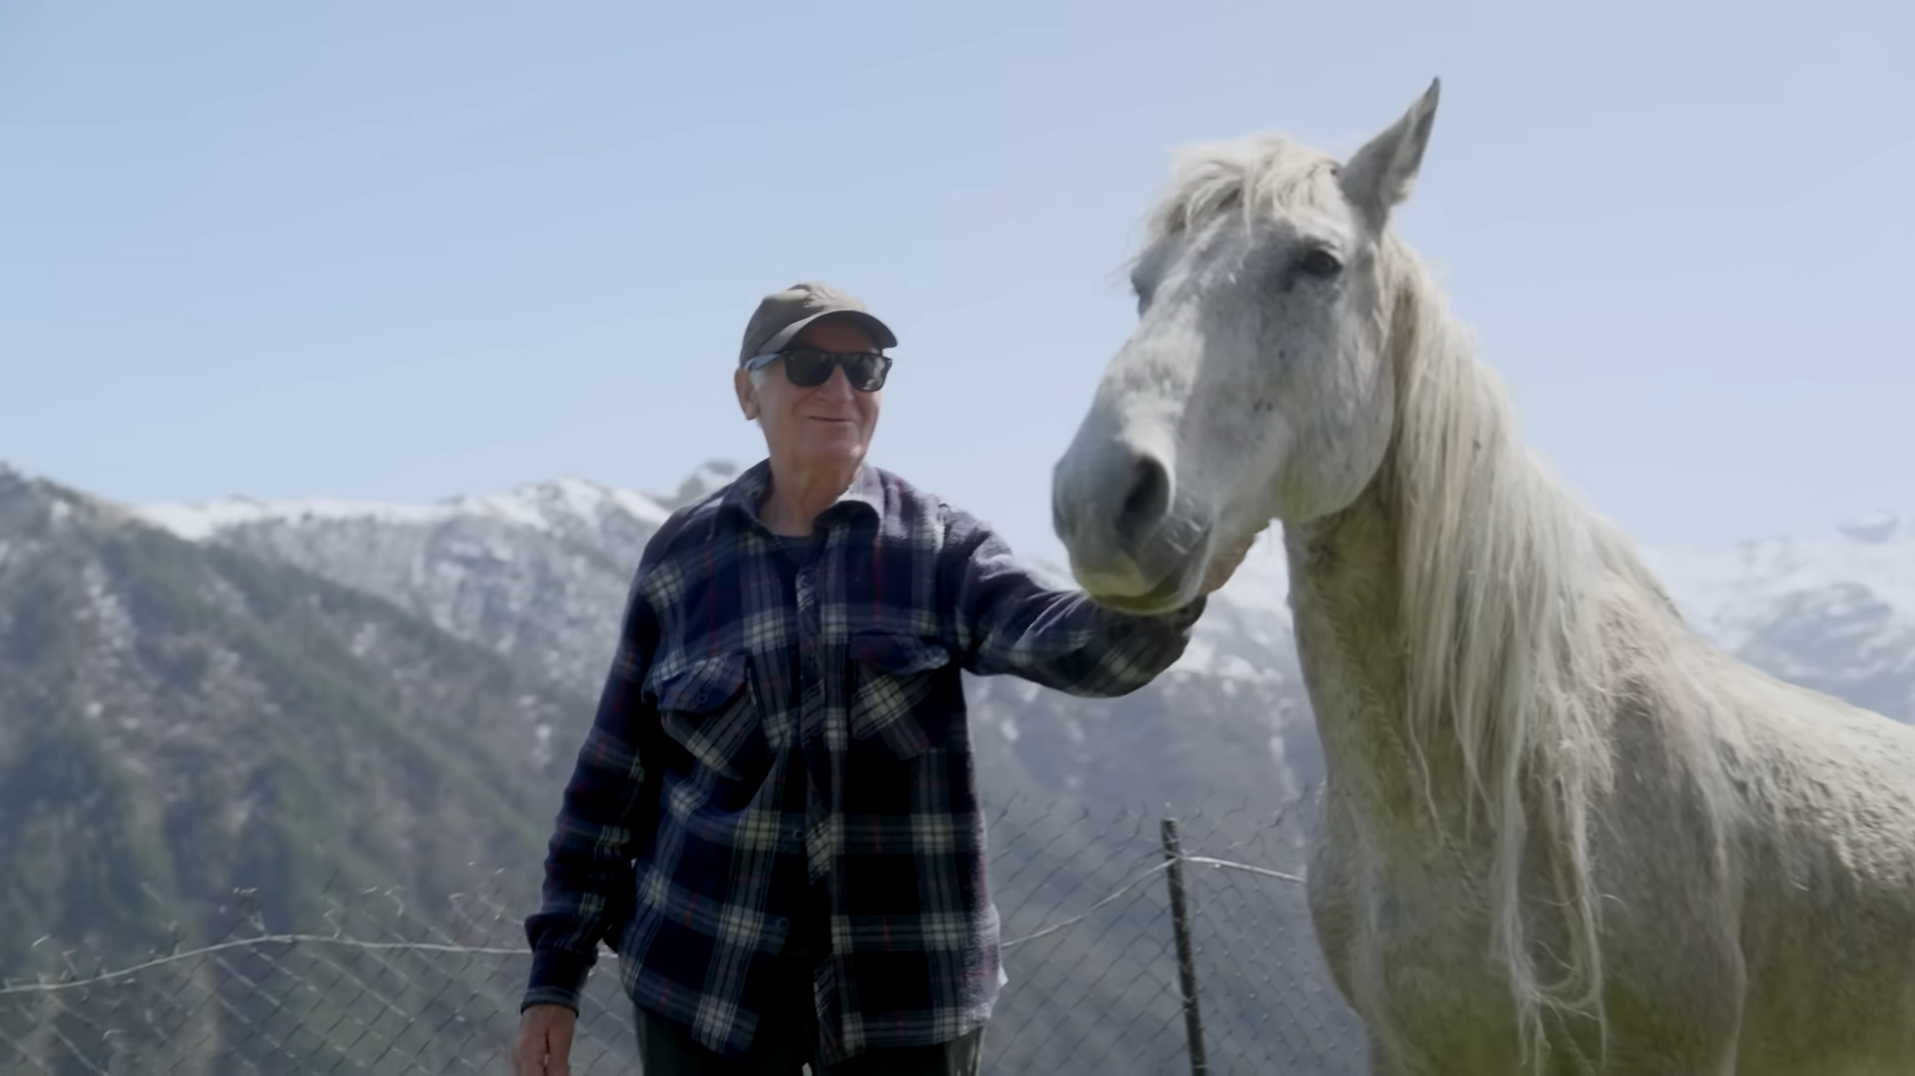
(1148, 500)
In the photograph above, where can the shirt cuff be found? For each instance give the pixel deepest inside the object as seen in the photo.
(558, 978)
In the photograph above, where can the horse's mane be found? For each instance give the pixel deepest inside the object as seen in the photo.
(1521, 611)
(1503, 586)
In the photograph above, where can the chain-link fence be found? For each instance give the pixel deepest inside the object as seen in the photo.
(390, 983)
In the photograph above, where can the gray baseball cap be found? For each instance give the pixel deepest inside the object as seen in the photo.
(784, 314)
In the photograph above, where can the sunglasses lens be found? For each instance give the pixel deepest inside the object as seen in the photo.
(866, 372)
(807, 367)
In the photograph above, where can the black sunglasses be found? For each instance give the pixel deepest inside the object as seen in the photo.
(809, 367)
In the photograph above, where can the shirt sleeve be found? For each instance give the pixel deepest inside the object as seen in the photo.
(604, 818)
(1009, 619)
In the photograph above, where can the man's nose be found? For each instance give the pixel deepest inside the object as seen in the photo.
(837, 385)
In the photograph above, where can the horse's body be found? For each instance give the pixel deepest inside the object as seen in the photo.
(1560, 832)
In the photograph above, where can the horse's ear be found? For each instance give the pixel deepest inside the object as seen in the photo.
(1380, 175)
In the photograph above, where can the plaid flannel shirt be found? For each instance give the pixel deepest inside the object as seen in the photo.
(739, 672)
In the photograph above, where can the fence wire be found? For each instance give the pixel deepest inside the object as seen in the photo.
(389, 983)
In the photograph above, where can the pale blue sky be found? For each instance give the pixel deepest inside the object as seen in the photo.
(411, 250)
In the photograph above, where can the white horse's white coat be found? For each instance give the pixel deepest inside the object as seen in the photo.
(1560, 833)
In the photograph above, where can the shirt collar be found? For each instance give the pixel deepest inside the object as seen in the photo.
(748, 490)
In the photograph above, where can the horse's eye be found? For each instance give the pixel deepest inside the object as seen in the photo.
(1320, 262)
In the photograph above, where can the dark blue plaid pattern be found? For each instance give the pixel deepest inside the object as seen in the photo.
(741, 671)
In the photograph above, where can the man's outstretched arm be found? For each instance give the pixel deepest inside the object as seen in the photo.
(1008, 619)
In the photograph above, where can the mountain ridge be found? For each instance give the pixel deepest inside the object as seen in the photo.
(1835, 612)
(1724, 590)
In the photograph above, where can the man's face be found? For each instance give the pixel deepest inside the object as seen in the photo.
(827, 425)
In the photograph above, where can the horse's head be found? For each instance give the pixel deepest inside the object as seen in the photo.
(1256, 385)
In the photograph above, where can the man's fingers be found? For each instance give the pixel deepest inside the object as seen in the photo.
(545, 1043)
(543, 1052)
(528, 1056)
(559, 1045)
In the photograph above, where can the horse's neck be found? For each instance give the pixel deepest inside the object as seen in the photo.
(1345, 590)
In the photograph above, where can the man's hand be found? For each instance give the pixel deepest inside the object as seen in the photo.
(1223, 564)
(545, 1041)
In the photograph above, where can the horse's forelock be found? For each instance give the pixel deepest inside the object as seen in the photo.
(1259, 177)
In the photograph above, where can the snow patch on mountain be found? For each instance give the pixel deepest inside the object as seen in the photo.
(706, 479)
(543, 506)
(1731, 594)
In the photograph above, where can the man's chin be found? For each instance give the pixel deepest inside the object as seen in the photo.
(846, 450)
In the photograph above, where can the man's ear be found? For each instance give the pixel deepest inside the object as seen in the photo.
(747, 394)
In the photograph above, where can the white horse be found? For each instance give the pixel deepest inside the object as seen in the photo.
(1560, 832)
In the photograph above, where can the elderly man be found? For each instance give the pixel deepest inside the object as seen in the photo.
(774, 819)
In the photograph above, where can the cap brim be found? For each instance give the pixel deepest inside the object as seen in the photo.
(880, 333)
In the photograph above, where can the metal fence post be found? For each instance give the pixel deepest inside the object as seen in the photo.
(1186, 967)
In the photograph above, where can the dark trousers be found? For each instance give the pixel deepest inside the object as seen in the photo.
(787, 1041)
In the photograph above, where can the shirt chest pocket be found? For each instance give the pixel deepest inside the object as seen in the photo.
(708, 707)
(893, 679)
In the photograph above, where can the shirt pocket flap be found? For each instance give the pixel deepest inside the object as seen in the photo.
(703, 685)
(893, 678)
(708, 709)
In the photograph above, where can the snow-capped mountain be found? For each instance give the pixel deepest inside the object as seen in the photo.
(1834, 612)
(1732, 593)
(540, 573)
(536, 572)
(179, 721)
